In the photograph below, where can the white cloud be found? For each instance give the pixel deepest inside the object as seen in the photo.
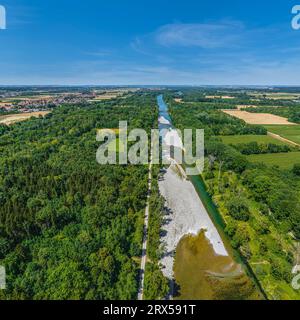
(219, 53)
(207, 36)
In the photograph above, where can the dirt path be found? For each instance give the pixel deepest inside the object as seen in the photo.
(145, 237)
(280, 138)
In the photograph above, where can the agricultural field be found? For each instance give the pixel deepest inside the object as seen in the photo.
(291, 133)
(111, 94)
(13, 118)
(282, 160)
(107, 96)
(250, 138)
(31, 97)
(5, 104)
(241, 107)
(219, 97)
(277, 95)
(258, 118)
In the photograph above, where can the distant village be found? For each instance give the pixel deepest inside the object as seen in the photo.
(13, 103)
(32, 100)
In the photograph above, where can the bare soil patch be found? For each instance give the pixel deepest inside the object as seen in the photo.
(178, 100)
(258, 118)
(13, 118)
(240, 107)
(219, 97)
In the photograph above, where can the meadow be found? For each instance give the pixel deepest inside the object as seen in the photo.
(277, 95)
(284, 161)
(288, 132)
(237, 139)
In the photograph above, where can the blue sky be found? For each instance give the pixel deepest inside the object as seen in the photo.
(193, 42)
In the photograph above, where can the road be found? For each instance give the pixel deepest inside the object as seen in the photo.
(145, 237)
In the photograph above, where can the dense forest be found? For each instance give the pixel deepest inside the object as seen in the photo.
(69, 227)
(72, 229)
(260, 205)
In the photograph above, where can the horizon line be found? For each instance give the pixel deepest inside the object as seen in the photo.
(150, 85)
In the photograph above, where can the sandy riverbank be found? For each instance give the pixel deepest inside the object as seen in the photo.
(186, 215)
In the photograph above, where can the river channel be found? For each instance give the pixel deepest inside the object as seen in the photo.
(204, 265)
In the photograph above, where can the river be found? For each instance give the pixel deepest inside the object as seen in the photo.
(198, 255)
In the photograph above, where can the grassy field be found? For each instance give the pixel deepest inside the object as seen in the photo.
(251, 138)
(277, 95)
(282, 160)
(288, 132)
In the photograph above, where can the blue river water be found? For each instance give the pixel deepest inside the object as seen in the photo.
(163, 113)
